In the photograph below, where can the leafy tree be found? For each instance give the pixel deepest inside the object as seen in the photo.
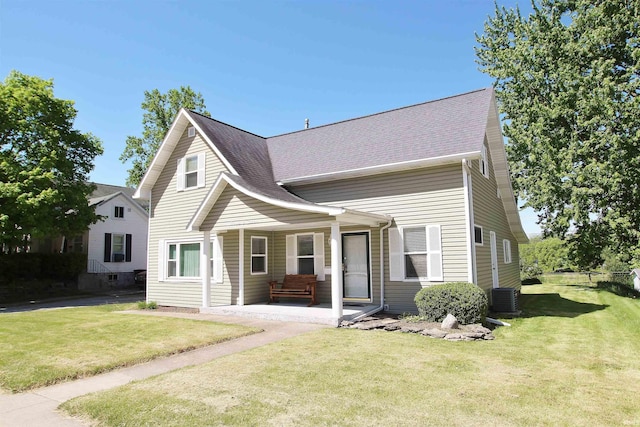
(44, 163)
(548, 254)
(160, 110)
(567, 80)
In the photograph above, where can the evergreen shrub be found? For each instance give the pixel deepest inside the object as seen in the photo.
(467, 302)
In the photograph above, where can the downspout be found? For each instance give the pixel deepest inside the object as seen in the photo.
(146, 288)
(468, 205)
(381, 306)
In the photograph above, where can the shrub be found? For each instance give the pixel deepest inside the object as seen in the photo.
(467, 302)
(151, 305)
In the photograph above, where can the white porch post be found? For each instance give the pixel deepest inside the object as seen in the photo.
(241, 267)
(205, 268)
(336, 272)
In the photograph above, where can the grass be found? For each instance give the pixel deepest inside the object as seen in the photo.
(45, 347)
(571, 360)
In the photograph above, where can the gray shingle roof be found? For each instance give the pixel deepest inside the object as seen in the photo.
(248, 155)
(433, 129)
(441, 128)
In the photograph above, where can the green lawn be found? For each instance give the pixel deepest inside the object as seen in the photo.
(45, 347)
(573, 359)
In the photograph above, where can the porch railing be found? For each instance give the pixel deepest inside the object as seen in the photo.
(95, 266)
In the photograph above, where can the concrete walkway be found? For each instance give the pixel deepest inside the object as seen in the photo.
(39, 407)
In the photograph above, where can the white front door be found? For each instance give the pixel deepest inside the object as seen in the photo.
(355, 270)
(494, 260)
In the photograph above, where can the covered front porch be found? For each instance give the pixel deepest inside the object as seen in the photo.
(266, 237)
(295, 312)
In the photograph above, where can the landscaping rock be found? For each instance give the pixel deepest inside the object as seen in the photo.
(411, 328)
(430, 329)
(450, 322)
(434, 333)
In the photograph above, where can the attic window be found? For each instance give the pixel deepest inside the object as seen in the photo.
(191, 131)
(484, 163)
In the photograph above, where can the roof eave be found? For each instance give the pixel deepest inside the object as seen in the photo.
(502, 174)
(381, 169)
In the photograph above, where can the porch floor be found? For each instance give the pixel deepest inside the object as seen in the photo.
(292, 312)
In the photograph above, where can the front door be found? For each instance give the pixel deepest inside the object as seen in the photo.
(355, 266)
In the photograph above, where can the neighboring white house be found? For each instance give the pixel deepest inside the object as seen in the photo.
(116, 246)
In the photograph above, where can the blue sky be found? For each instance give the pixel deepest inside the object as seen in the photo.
(263, 66)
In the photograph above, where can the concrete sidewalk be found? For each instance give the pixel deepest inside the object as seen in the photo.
(39, 407)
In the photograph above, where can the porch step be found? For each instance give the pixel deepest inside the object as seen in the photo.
(284, 312)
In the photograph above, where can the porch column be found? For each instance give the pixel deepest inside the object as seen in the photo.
(336, 272)
(205, 268)
(241, 267)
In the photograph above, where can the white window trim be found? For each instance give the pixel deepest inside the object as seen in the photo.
(124, 247)
(163, 259)
(481, 234)
(181, 176)
(265, 256)
(291, 246)
(397, 271)
(191, 131)
(484, 163)
(506, 248)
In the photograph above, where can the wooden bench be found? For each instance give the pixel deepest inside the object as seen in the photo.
(294, 286)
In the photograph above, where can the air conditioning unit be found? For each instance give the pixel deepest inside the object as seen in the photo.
(504, 300)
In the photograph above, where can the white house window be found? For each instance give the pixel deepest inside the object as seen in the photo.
(191, 172)
(506, 247)
(258, 255)
(191, 131)
(305, 254)
(484, 163)
(117, 247)
(183, 260)
(415, 253)
(118, 212)
(477, 235)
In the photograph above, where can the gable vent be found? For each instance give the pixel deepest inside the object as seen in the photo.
(191, 131)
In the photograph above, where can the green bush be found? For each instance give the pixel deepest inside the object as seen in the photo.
(467, 302)
(151, 305)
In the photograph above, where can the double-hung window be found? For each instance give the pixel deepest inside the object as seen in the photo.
(484, 162)
(258, 255)
(506, 248)
(117, 247)
(415, 253)
(305, 254)
(191, 172)
(183, 260)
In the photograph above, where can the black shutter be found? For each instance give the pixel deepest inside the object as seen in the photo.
(127, 251)
(107, 247)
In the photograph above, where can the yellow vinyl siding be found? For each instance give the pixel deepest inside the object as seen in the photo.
(432, 196)
(234, 210)
(256, 286)
(489, 213)
(170, 212)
